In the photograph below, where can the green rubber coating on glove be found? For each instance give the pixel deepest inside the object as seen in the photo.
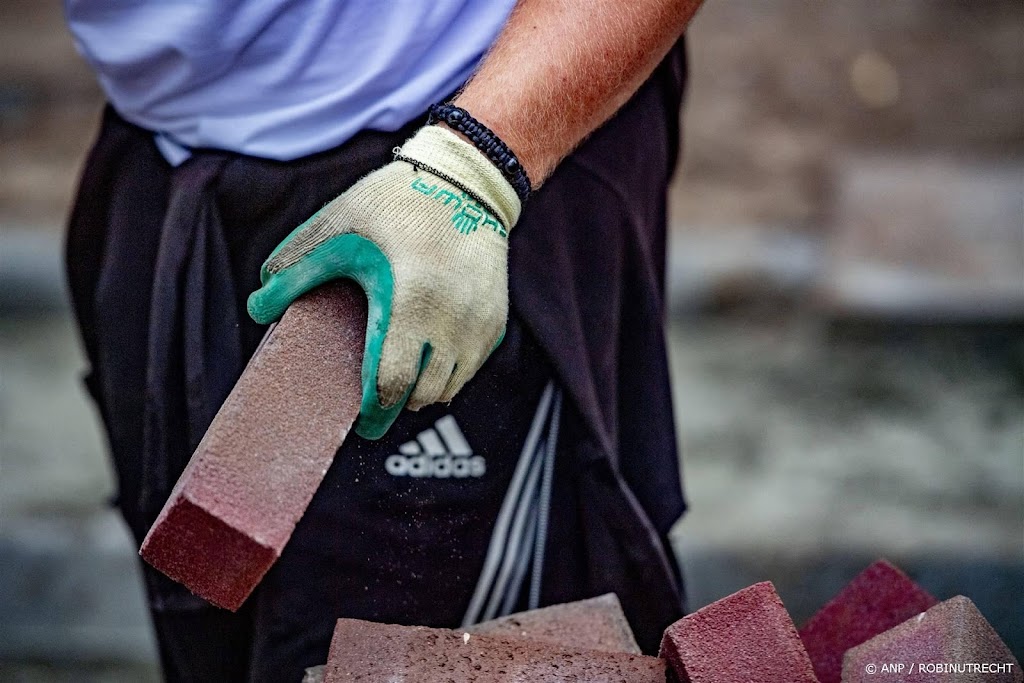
(344, 256)
(501, 338)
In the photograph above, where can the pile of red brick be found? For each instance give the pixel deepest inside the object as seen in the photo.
(268, 448)
(881, 627)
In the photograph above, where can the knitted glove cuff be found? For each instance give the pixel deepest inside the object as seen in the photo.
(446, 155)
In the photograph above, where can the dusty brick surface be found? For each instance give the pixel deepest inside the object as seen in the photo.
(261, 461)
(877, 599)
(596, 623)
(366, 651)
(747, 636)
(952, 632)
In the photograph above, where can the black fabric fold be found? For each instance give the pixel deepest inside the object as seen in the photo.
(193, 329)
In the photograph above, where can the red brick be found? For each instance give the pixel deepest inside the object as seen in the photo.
(747, 636)
(879, 598)
(596, 624)
(365, 651)
(249, 482)
(953, 632)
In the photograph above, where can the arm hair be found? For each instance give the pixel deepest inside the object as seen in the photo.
(561, 68)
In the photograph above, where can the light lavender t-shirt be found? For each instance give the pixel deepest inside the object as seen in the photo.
(279, 79)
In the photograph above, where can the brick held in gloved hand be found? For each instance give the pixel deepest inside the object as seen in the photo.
(367, 651)
(877, 599)
(747, 636)
(266, 452)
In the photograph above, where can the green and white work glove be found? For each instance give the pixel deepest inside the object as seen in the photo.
(426, 237)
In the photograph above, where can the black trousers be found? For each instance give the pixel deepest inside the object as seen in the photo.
(160, 261)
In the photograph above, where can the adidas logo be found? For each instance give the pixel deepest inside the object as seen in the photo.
(441, 452)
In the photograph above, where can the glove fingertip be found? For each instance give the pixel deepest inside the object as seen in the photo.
(262, 309)
(374, 427)
(374, 418)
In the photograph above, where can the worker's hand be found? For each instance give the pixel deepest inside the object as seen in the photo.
(427, 238)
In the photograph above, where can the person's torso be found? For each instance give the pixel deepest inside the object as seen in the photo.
(280, 79)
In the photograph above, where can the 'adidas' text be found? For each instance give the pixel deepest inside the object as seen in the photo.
(440, 467)
(441, 453)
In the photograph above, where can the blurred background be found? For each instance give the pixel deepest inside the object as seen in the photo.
(847, 321)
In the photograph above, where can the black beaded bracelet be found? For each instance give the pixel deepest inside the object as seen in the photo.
(485, 140)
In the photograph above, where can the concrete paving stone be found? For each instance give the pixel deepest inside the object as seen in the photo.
(947, 644)
(366, 651)
(877, 599)
(747, 636)
(251, 478)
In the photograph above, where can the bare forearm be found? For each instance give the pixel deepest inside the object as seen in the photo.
(560, 68)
